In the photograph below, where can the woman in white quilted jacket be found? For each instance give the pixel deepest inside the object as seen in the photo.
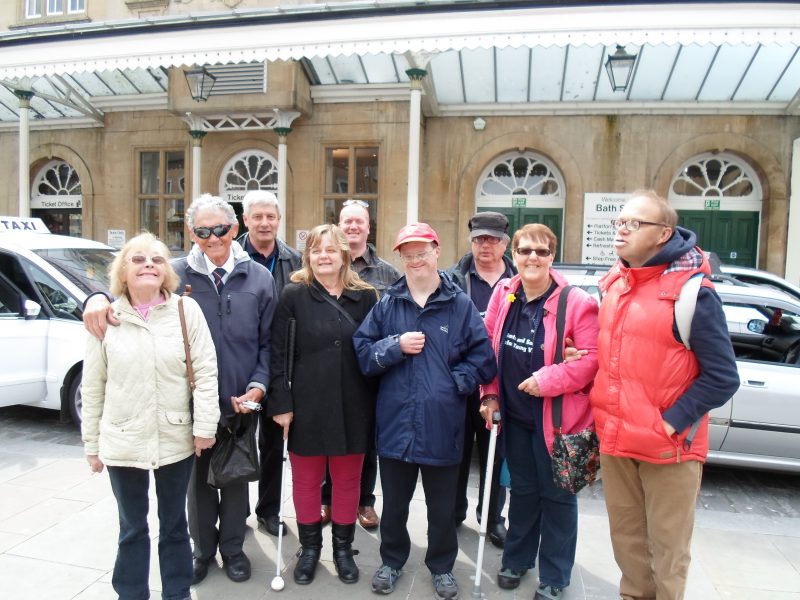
(139, 414)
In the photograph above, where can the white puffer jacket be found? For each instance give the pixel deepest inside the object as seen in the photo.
(136, 389)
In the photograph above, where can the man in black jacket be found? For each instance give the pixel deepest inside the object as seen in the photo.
(477, 273)
(262, 216)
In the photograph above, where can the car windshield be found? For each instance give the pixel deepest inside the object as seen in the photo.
(87, 268)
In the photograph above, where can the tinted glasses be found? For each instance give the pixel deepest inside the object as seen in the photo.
(140, 259)
(218, 230)
(540, 252)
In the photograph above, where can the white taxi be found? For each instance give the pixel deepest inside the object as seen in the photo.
(44, 281)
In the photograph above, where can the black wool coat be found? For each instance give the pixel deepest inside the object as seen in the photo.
(332, 401)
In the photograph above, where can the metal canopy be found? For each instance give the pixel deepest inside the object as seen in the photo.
(734, 58)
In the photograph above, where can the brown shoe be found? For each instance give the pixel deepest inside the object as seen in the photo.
(367, 517)
(325, 514)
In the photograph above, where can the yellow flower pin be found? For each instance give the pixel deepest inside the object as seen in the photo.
(511, 298)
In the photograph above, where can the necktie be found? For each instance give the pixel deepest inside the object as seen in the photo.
(219, 273)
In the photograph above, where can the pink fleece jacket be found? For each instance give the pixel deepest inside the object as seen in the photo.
(573, 380)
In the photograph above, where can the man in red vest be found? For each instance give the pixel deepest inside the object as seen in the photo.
(652, 395)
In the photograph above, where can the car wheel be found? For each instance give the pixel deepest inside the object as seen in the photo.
(75, 400)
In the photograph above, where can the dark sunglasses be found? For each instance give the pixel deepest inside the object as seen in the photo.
(540, 252)
(218, 230)
(140, 259)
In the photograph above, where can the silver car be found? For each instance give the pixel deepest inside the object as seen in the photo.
(760, 426)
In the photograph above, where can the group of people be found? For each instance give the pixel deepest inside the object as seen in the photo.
(352, 360)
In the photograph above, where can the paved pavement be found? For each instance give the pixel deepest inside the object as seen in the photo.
(58, 528)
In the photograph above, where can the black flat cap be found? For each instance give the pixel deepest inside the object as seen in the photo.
(494, 224)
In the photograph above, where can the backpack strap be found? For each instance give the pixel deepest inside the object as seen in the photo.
(685, 305)
(561, 317)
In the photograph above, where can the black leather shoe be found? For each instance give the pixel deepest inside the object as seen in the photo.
(497, 535)
(200, 569)
(272, 524)
(237, 568)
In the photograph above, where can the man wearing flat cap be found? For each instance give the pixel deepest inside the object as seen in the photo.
(477, 273)
(429, 346)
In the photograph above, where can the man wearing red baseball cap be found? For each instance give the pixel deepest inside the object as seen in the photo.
(427, 342)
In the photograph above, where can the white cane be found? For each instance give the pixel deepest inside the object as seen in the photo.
(277, 581)
(487, 490)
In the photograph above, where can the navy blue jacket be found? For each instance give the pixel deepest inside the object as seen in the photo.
(239, 320)
(420, 407)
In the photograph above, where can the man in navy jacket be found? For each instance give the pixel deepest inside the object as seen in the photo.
(427, 342)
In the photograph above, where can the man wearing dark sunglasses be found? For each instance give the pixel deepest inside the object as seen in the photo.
(237, 297)
(262, 217)
(477, 273)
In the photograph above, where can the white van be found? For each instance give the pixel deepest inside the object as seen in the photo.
(44, 281)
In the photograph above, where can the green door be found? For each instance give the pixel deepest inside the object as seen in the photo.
(517, 217)
(733, 235)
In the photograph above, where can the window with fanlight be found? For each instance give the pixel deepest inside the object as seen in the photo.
(721, 175)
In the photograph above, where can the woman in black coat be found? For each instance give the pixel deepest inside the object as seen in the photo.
(330, 405)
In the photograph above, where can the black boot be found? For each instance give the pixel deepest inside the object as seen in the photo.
(308, 557)
(343, 551)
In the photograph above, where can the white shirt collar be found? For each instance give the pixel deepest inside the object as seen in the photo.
(228, 266)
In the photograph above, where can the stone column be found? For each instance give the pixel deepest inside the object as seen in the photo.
(197, 152)
(283, 122)
(793, 233)
(24, 97)
(415, 112)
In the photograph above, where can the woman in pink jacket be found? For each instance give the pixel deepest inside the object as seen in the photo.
(521, 321)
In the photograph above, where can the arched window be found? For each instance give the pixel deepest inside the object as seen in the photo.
(526, 187)
(248, 170)
(516, 174)
(721, 176)
(719, 197)
(56, 198)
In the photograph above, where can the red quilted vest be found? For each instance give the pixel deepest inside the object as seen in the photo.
(643, 368)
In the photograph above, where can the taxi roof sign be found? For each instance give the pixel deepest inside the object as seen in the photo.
(28, 224)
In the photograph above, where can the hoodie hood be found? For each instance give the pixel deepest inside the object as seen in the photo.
(681, 242)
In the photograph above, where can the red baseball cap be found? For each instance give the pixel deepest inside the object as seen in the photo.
(416, 232)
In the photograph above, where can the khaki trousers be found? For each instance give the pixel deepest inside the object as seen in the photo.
(651, 515)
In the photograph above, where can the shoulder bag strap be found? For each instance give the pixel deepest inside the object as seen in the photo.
(339, 307)
(561, 317)
(186, 349)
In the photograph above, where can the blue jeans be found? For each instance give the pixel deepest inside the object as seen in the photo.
(542, 517)
(132, 568)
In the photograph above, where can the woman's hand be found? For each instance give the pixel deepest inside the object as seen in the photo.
(489, 405)
(95, 464)
(530, 386)
(284, 420)
(201, 443)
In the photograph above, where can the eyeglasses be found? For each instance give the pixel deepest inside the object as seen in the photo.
(540, 252)
(356, 202)
(633, 224)
(486, 239)
(140, 259)
(409, 258)
(218, 230)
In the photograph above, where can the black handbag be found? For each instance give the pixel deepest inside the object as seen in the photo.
(576, 456)
(235, 457)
